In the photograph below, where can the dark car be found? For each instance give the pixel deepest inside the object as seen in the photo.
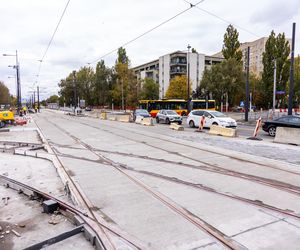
(141, 112)
(291, 121)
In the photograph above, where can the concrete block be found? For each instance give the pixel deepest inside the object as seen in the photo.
(176, 126)
(139, 119)
(123, 118)
(218, 130)
(103, 116)
(287, 135)
(148, 121)
(112, 118)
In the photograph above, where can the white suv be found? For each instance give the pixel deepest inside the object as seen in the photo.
(211, 118)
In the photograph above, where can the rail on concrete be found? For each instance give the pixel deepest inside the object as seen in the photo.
(287, 135)
(218, 130)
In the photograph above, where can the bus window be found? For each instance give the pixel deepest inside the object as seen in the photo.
(211, 104)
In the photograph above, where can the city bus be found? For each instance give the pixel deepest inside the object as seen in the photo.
(178, 105)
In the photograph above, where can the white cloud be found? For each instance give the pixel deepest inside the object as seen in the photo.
(92, 28)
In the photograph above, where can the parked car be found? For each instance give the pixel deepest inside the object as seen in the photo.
(141, 112)
(291, 121)
(168, 116)
(211, 118)
(88, 108)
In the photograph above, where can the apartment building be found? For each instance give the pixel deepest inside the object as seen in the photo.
(176, 64)
(257, 48)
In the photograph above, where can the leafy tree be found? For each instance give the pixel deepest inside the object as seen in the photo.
(178, 88)
(53, 99)
(194, 50)
(4, 94)
(150, 89)
(231, 44)
(84, 84)
(101, 88)
(125, 81)
(223, 79)
(67, 90)
(277, 48)
(297, 80)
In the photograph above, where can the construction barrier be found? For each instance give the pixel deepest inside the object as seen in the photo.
(287, 135)
(218, 130)
(103, 116)
(256, 130)
(147, 121)
(201, 124)
(139, 119)
(176, 126)
(123, 118)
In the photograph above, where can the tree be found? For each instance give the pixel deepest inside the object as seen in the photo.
(231, 44)
(297, 81)
(150, 89)
(4, 94)
(277, 48)
(101, 88)
(53, 99)
(178, 88)
(125, 81)
(224, 79)
(84, 84)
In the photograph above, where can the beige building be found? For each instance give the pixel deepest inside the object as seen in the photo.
(175, 64)
(257, 49)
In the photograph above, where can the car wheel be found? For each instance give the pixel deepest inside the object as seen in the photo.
(168, 121)
(272, 131)
(183, 114)
(191, 124)
(179, 123)
(157, 120)
(2, 124)
(215, 124)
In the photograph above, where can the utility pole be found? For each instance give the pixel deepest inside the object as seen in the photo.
(19, 99)
(291, 94)
(188, 79)
(38, 98)
(274, 87)
(122, 95)
(74, 88)
(247, 85)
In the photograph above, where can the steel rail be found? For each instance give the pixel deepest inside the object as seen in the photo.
(216, 169)
(202, 225)
(107, 242)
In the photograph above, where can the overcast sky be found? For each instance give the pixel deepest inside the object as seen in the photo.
(92, 28)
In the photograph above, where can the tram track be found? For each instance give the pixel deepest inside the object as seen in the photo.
(283, 186)
(195, 220)
(101, 231)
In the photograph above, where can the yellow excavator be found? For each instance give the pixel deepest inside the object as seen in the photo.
(6, 117)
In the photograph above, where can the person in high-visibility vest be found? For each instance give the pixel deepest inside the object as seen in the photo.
(25, 110)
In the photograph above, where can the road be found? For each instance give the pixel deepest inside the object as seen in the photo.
(179, 190)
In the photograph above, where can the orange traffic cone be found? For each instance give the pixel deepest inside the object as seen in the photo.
(201, 124)
(256, 130)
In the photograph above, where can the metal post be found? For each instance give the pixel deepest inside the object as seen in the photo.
(38, 98)
(274, 87)
(291, 94)
(122, 95)
(247, 85)
(74, 88)
(19, 102)
(188, 79)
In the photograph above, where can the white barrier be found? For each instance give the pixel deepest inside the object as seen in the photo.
(287, 135)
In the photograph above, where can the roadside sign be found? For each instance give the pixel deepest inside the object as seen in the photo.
(242, 104)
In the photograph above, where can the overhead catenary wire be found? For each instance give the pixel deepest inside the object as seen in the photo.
(52, 37)
(147, 32)
(223, 19)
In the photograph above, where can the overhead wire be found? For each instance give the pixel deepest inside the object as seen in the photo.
(223, 19)
(147, 32)
(52, 37)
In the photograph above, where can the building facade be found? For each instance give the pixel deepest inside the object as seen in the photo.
(175, 64)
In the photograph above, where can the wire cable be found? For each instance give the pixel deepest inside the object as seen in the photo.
(148, 31)
(52, 37)
(224, 20)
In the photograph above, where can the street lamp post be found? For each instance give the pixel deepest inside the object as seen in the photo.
(17, 67)
(274, 88)
(188, 79)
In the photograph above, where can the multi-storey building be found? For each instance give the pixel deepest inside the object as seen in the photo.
(176, 64)
(257, 48)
